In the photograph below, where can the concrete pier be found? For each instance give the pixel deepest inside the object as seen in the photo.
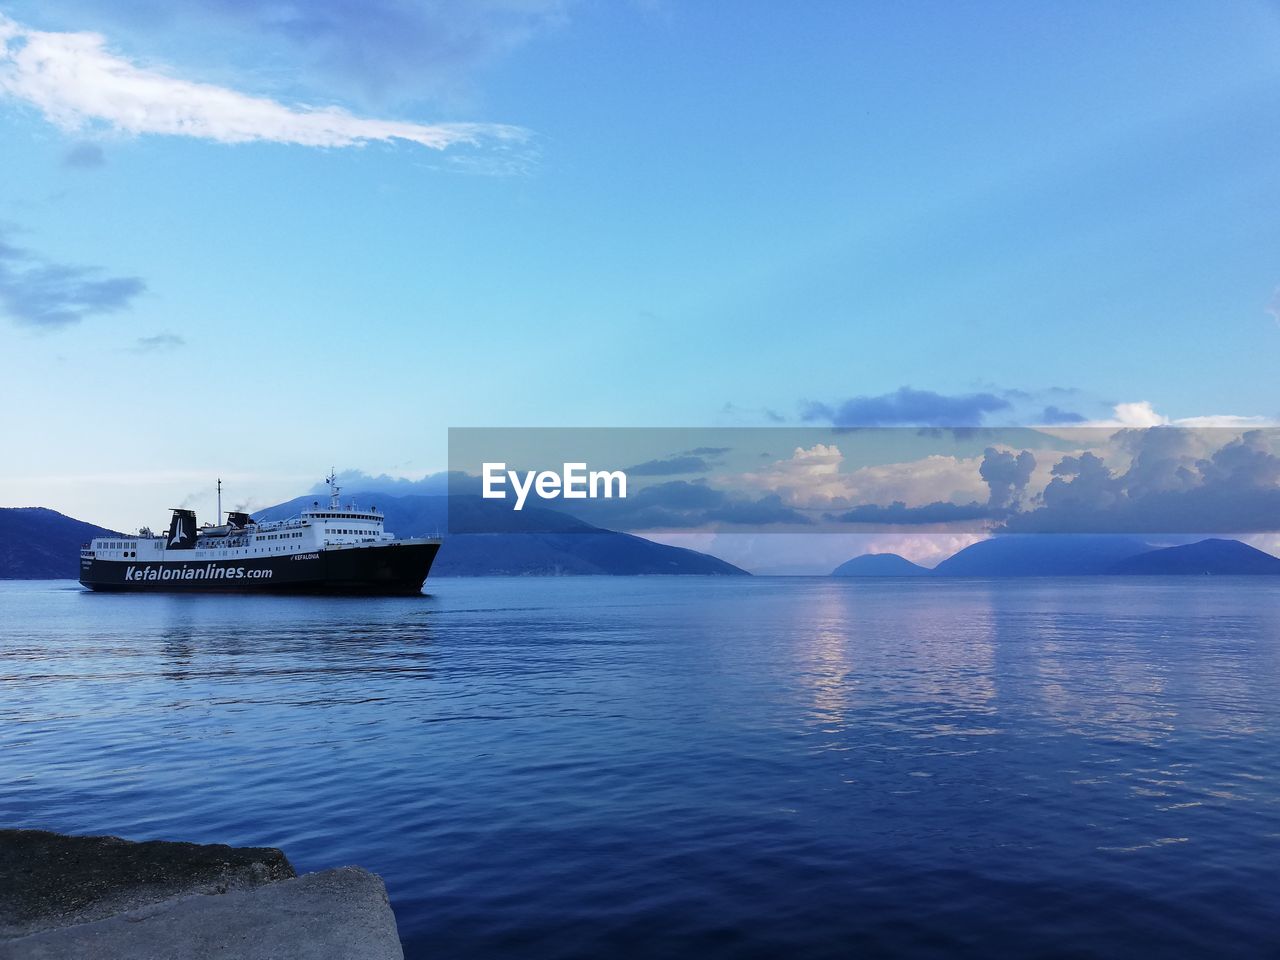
(64, 897)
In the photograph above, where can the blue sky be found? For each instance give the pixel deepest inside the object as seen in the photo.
(705, 214)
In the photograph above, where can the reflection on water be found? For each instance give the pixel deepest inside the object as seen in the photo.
(654, 766)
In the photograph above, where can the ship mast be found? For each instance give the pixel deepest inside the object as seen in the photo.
(334, 489)
(219, 515)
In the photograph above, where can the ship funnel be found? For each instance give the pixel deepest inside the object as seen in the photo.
(182, 530)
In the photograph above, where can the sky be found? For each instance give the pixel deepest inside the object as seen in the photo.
(254, 240)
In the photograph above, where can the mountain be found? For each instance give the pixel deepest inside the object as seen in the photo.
(534, 541)
(41, 544)
(1223, 557)
(1041, 555)
(880, 565)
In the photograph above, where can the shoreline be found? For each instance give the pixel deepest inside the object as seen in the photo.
(71, 896)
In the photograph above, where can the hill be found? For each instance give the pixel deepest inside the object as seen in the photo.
(534, 541)
(1221, 557)
(41, 544)
(1041, 555)
(880, 565)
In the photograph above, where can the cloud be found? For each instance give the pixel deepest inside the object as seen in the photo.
(379, 49)
(77, 84)
(811, 475)
(1167, 487)
(813, 478)
(898, 513)
(36, 292)
(1006, 475)
(433, 484)
(906, 406)
(1141, 414)
(670, 466)
(84, 156)
(684, 505)
(390, 45)
(679, 504)
(750, 415)
(759, 512)
(158, 342)
(1056, 415)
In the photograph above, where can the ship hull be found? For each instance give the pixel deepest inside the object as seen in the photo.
(394, 569)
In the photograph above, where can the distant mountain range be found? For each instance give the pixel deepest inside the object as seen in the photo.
(37, 544)
(1207, 556)
(40, 544)
(1074, 555)
(880, 565)
(559, 544)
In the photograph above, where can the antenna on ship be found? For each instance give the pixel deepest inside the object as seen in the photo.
(334, 489)
(219, 517)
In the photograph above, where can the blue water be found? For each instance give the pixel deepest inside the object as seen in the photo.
(659, 767)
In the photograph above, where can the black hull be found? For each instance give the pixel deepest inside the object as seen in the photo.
(396, 569)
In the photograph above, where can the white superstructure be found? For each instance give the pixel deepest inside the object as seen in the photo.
(321, 527)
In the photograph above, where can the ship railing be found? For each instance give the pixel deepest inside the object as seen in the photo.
(290, 523)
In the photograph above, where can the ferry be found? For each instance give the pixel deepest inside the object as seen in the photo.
(329, 548)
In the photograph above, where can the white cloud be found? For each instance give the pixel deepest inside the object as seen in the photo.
(1123, 415)
(1142, 414)
(919, 482)
(811, 478)
(1266, 542)
(1224, 420)
(78, 84)
(926, 549)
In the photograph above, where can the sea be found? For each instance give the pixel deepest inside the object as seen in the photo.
(691, 767)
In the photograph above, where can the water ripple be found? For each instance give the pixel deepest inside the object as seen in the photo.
(667, 766)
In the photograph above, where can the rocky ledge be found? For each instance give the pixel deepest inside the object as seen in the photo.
(63, 897)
